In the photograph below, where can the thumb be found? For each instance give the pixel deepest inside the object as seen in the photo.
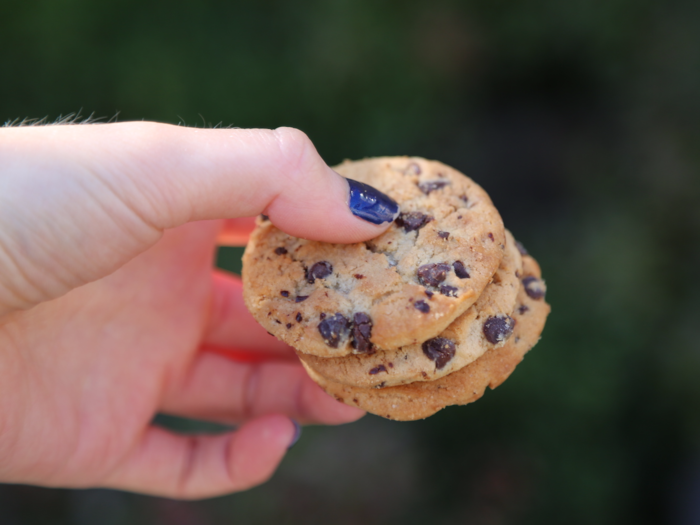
(173, 175)
(92, 197)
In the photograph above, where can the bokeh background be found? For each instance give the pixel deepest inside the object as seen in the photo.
(581, 118)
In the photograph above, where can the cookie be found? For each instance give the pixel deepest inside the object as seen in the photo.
(334, 300)
(422, 399)
(485, 325)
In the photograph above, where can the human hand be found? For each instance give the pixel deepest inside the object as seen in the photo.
(108, 296)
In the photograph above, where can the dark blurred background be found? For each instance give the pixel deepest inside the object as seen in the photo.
(581, 118)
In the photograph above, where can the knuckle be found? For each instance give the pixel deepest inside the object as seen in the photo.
(297, 154)
(292, 141)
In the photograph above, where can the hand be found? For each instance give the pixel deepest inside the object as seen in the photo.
(108, 296)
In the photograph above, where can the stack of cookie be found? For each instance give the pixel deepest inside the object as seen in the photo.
(427, 315)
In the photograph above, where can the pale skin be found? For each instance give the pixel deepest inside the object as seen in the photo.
(109, 300)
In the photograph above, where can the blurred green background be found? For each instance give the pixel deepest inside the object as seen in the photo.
(581, 118)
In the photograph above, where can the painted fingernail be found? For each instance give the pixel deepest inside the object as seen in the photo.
(297, 434)
(371, 204)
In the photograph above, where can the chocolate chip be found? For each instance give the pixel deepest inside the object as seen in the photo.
(358, 276)
(520, 248)
(298, 317)
(449, 291)
(491, 237)
(432, 274)
(413, 168)
(319, 270)
(432, 185)
(424, 374)
(289, 325)
(534, 287)
(264, 217)
(284, 293)
(444, 235)
(333, 329)
(391, 365)
(460, 270)
(413, 220)
(464, 198)
(522, 309)
(361, 332)
(498, 328)
(429, 294)
(278, 321)
(377, 369)
(322, 316)
(281, 250)
(301, 298)
(422, 306)
(459, 216)
(440, 350)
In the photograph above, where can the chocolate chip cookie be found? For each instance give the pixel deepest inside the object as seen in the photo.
(421, 399)
(485, 325)
(402, 288)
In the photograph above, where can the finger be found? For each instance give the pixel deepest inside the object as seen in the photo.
(235, 232)
(70, 188)
(231, 325)
(170, 175)
(217, 389)
(190, 467)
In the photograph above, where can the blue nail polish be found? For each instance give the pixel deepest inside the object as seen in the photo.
(297, 434)
(370, 204)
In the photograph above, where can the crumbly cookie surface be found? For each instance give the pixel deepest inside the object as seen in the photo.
(486, 324)
(421, 399)
(401, 288)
